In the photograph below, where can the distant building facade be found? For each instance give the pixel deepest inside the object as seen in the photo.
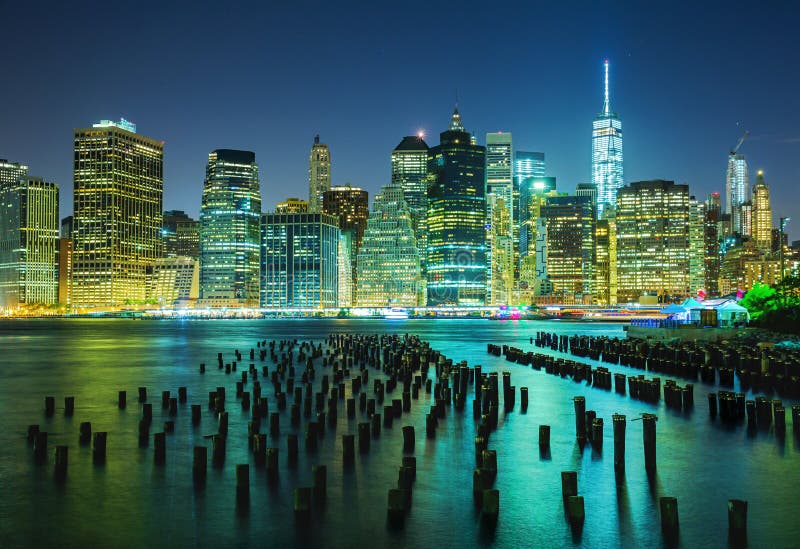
(319, 174)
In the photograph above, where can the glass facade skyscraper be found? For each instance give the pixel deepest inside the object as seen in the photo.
(388, 262)
(299, 265)
(607, 173)
(456, 258)
(230, 216)
(118, 209)
(28, 242)
(410, 171)
(737, 189)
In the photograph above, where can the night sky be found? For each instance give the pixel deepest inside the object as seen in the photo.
(687, 81)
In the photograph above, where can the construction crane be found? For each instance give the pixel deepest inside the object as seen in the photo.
(739, 144)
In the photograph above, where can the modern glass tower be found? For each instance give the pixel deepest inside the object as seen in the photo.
(230, 216)
(118, 208)
(10, 172)
(737, 189)
(456, 258)
(319, 174)
(607, 173)
(299, 266)
(501, 237)
(410, 171)
(28, 242)
(388, 262)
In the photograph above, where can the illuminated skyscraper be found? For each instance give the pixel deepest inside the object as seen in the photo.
(697, 246)
(737, 188)
(181, 235)
(501, 234)
(410, 171)
(230, 216)
(607, 173)
(28, 242)
(653, 241)
(350, 205)
(605, 260)
(319, 174)
(761, 224)
(174, 282)
(456, 259)
(299, 266)
(533, 193)
(388, 262)
(569, 232)
(118, 207)
(711, 237)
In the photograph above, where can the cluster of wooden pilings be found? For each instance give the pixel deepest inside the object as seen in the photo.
(315, 384)
(762, 368)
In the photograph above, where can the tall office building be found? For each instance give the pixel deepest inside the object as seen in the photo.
(345, 296)
(410, 171)
(570, 249)
(502, 239)
(761, 224)
(64, 258)
(605, 259)
(711, 236)
(350, 205)
(737, 188)
(299, 266)
(181, 235)
(697, 246)
(533, 192)
(456, 258)
(28, 242)
(388, 262)
(319, 174)
(607, 173)
(653, 241)
(118, 203)
(230, 216)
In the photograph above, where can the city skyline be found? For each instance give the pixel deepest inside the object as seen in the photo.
(651, 81)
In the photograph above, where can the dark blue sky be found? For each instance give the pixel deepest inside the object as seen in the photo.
(687, 80)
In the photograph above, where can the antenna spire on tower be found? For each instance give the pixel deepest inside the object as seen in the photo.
(606, 101)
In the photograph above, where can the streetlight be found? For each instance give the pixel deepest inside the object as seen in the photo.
(783, 222)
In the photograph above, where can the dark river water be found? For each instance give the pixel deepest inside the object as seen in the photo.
(132, 502)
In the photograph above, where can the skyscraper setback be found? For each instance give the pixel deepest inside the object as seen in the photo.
(118, 203)
(607, 172)
(230, 216)
(319, 174)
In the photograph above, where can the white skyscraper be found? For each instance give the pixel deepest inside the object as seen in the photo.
(499, 213)
(607, 174)
(737, 189)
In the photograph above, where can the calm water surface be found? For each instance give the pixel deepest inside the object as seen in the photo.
(130, 502)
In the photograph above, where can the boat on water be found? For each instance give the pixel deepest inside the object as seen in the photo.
(396, 313)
